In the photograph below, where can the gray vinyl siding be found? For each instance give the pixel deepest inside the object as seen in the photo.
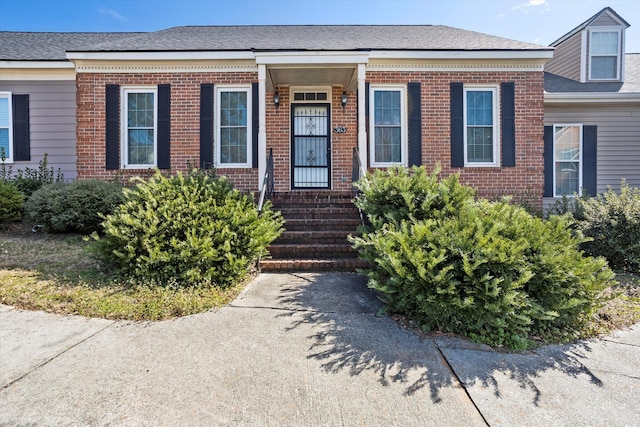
(605, 20)
(618, 139)
(566, 59)
(52, 123)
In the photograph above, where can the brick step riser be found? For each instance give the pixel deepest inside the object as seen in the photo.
(347, 265)
(349, 229)
(311, 240)
(315, 207)
(309, 252)
(289, 213)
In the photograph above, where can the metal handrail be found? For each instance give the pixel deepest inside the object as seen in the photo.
(268, 182)
(357, 172)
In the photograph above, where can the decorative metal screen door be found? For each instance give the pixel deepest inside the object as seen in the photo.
(310, 150)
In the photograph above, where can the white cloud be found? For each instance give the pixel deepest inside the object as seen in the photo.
(112, 13)
(524, 7)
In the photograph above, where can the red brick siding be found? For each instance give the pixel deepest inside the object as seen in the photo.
(185, 121)
(526, 178)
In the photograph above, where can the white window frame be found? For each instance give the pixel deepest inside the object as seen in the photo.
(580, 162)
(124, 91)
(618, 51)
(495, 92)
(404, 147)
(9, 154)
(235, 88)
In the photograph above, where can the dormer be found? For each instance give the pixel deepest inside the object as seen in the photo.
(593, 51)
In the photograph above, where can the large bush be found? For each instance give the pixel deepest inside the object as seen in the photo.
(12, 202)
(487, 270)
(612, 222)
(187, 231)
(73, 207)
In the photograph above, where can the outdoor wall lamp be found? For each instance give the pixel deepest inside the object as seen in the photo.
(276, 99)
(344, 99)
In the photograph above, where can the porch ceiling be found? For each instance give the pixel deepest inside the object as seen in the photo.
(312, 76)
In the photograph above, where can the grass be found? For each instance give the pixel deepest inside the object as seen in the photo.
(58, 274)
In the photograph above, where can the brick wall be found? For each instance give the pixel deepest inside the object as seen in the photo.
(185, 122)
(525, 179)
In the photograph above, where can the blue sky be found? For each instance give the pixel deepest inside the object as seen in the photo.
(537, 21)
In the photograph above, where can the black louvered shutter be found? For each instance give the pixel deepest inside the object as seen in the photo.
(457, 125)
(366, 120)
(206, 126)
(21, 136)
(112, 127)
(548, 161)
(164, 126)
(255, 124)
(508, 124)
(415, 125)
(589, 159)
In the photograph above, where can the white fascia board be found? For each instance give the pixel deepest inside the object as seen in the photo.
(160, 56)
(590, 97)
(312, 57)
(462, 54)
(36, 64)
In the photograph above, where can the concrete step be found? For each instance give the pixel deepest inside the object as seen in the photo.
(302, 264)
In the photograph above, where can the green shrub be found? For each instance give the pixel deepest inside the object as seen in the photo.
(487, 270)
(612, 222)
(29, 180)
(73, 207)
(398, 194)
(187, 231)
(12, 203)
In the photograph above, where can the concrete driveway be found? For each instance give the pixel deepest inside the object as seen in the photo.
(301, 350)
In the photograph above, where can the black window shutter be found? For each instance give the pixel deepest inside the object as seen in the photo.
(164, 126)
(548, 161)
(415, 125)
(366, 119)
(255, 122)
(589, 159)
(206, 126)
(112, 127)
(21, 137)
(457, 125)
(508, 124)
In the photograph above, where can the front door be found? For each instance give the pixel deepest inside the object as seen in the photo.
(310, 146)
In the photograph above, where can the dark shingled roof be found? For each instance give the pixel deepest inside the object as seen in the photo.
(28, 46)
(311, 37)
(557, 84)
(31, 46)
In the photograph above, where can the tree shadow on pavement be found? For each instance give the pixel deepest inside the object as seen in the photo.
(351, 335)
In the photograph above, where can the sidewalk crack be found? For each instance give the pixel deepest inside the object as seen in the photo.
(21, 377)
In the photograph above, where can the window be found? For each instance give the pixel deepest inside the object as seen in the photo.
(233, 126)
(604, 55)
(480, 126)
(139, 131)
(567, 159)
(388, 127)
(6, 131)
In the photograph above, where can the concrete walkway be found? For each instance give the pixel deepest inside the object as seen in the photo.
(301, 350)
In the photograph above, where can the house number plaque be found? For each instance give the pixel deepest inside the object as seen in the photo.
(339, 129)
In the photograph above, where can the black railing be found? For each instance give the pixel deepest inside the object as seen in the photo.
(357, 172)
(268, 182)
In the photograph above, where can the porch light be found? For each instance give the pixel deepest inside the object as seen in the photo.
(344, 99)
(276, 99)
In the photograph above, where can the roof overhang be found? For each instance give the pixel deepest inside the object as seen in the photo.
(590, 98)
(37, 70)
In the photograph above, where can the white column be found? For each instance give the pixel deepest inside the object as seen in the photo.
(362, 126)
(262, 123)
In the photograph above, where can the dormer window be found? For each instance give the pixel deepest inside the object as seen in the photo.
(604, 55)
